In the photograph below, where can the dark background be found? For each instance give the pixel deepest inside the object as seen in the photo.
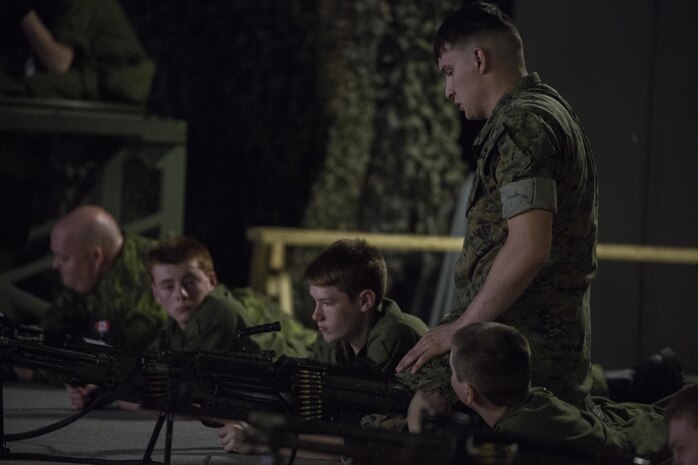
(628, 68)
(242, 74)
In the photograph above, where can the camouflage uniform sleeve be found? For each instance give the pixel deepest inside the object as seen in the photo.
(142, 326)
(126, 289)
(528, 194)
(528, 165)
(66, 316)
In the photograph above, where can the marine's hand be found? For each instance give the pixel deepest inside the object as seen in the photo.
(233, 437)
(435, 342)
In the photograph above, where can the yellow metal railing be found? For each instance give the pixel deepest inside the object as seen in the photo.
(268, 272)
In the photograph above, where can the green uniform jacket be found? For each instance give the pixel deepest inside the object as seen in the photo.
(224, 312)
(120, 311)
(393, 334)
(109, 62)
(214, 326)
(533, 154)
(543, 418)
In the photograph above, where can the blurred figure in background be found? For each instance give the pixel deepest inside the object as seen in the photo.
(76, 49)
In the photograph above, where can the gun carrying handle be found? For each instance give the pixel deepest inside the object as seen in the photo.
(265, 328)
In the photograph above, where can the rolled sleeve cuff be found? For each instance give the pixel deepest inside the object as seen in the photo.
(528, 194)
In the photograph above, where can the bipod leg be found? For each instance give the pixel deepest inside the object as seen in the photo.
(154, 437)
(3, 445)
(168, 438)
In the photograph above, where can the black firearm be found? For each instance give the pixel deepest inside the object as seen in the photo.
(214, 384)
(234, 385)
(452, 439)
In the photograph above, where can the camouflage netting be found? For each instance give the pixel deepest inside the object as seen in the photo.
(393, 163)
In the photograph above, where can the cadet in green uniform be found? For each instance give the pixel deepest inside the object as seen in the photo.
(86, 49)
(391, 336)
(348, 281)
(529, 251)
(491, 374)
(107, 296)
(357, 325)
(205, 315)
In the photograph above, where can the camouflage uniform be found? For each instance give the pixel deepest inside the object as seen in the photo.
(393, 334)
(121, 310)
(635, 429)
(532, 153)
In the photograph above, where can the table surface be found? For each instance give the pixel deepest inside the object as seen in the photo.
(109, 433)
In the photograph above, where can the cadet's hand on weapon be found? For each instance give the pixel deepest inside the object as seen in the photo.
(435, 342)
(128, 406)
(425, 401)
(233, 437)
(80, 395)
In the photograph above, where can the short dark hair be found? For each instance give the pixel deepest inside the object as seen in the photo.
(472, 20)
(350, 265)
(495, 359)
(684, 404)
(179, 249)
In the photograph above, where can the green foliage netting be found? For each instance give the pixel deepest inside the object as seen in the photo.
(393, 163)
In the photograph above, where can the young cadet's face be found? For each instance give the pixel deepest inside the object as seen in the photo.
(181, 289)
(338, 317)
(683, 440)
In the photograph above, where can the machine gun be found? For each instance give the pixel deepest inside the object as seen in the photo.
(212, 384)
(227, 385)
(451, 439)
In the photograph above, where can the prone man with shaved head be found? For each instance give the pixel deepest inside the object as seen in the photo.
(107, 293)
(84, 244)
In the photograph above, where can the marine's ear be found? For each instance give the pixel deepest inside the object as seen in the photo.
(481, 60)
